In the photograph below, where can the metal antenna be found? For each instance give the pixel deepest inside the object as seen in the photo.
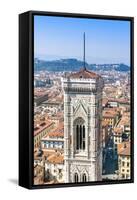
(84, 52)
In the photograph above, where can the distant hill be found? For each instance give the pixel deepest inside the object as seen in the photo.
(108, 67)
(122, 67)
(58, 65)
(73, 64)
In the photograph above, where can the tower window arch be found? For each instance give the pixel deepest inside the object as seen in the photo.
(77, 137)
(80, 134)
(84, 178)
(76, 178)
(83, 138)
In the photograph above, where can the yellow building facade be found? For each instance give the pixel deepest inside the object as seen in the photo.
(124, 161)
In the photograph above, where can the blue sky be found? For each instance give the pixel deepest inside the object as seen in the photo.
(107, 41)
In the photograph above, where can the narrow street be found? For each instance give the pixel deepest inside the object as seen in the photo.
(110, 158)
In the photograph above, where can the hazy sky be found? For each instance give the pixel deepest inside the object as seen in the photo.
(107, 41)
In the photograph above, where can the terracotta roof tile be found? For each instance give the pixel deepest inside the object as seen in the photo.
(124, 148)
(57, 132)
(41, 127)
(84, 73)
(109, 114)
(56, 158)
(104, 123)
(118, 130)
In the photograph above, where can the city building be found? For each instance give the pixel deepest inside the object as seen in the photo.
(39, 168)
(111, 117)
(105, 133)
(57, 118)
(117, 135)
(54, 139)
(40, 96)
(40, 131)
(82, 126)
(104, 102)
(124, 124)
(39, 83)
(38, 175)
(54, 168)
(54, 102)
(124, 162)
(113, 103)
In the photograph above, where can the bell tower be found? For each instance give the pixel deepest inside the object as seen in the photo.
(82, 125)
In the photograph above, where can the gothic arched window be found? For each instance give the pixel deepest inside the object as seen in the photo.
(84, 178)
(77, 137)
(83, 138)
(80, 135)
(76, 178)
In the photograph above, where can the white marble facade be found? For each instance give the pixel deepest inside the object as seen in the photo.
(82, 129)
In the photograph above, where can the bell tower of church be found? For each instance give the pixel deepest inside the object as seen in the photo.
(82, 125)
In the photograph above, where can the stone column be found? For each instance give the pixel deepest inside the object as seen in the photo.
(92, 176)
(67, 172)
(66, 126)
(71, 131)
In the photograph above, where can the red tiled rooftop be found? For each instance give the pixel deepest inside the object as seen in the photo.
(56, 158)
(124, 148)
(104, 123)
(41, 127)
(122, 100)
(104, 101)
(125, 120)
(57, 132)
(84, 73)
(109, 114)
(118, 130)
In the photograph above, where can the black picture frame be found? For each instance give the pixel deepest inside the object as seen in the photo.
(26, 60)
